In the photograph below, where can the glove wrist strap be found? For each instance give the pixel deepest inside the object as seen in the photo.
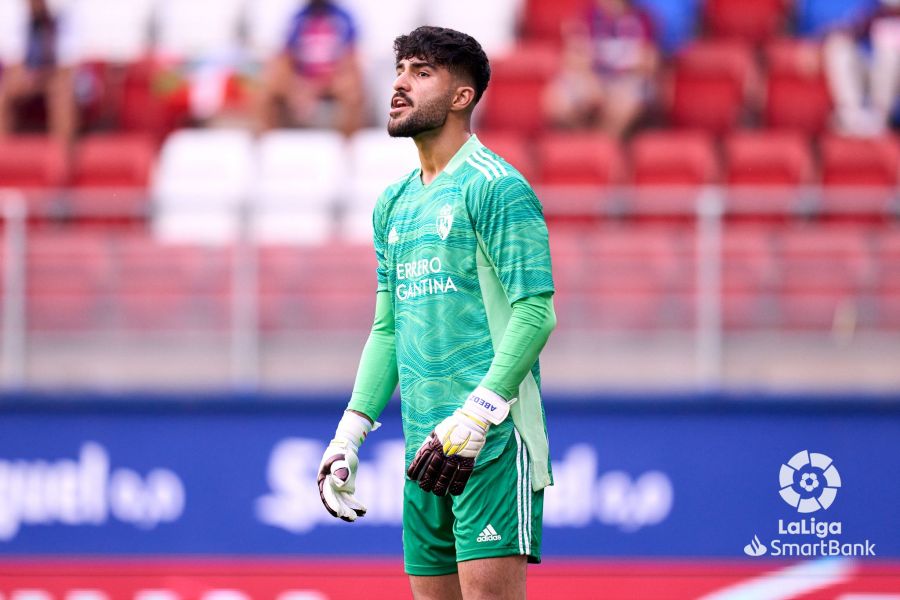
(354, 428)
(487, 405)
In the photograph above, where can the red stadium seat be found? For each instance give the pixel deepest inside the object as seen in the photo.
(544, 19)
(668, 167)
(673, 158)
(514, 99)
(576, 174)
(764, 169)
(754, 21)
(31, 161)
(767, 158)
(712, 81)
(860, 175)
(860, 161)
(796, 95)
(115, 160)
(578, 159)
(111, 174)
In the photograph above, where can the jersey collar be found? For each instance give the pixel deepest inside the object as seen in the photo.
(471, 145)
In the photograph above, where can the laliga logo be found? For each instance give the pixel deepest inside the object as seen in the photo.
(809, 481)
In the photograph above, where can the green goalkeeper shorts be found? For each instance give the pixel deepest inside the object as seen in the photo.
(496, 515)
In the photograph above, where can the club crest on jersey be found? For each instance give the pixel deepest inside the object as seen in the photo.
(445, 221)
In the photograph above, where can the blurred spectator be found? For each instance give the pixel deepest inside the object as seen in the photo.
(818, 18)
(38, 77)
(317, 66)
(606, 79)
(862, 63)
(675, 21)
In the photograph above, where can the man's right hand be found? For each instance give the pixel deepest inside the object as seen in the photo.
(337, 481)
(337, 470)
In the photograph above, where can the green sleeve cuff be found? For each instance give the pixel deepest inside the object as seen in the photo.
(377, 377)
(529, 327)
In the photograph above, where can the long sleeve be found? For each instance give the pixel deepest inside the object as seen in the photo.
(377, 377)
(529, 327)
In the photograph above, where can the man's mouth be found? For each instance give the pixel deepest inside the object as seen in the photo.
(398, 103)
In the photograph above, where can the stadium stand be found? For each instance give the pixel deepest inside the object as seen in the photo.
(137, 226)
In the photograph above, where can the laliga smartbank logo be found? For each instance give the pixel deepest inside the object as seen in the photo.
(809, 482)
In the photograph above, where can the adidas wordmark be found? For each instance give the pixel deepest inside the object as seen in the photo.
(489, 535)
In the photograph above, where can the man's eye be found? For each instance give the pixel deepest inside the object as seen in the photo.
(424, 74)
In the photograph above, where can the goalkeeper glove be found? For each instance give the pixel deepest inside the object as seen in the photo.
(337, 471)
(446, 459)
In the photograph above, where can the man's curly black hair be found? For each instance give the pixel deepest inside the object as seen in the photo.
(448, 48)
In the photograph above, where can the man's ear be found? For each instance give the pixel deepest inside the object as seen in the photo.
(463, 98)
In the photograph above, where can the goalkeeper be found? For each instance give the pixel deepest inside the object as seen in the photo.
(463, 308)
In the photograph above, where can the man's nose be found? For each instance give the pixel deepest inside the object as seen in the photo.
(401, 82)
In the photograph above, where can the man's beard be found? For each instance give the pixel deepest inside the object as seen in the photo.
(426, 117)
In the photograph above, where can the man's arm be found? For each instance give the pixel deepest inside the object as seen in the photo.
(530, 324)
(377, 377)
(376, 380)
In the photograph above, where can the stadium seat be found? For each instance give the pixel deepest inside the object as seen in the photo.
(668, 168)
(113, 160)
(712, 82)
(197, 29)
(764, 170)
(860, 174)
(767, 158)
(860, 161)
(493, 23)
(375, 161)
(203, 178)
(110, 177)
(300, 180)
(267, 24)
(105, 31)
(753, 22)
(31, 161)
(673, 158)
(544, 19)
(834, 256)
(514, 99)
(578, 159)
(576, 172)
(796, 93)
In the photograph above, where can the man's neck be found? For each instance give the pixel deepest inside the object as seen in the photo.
(437, 147)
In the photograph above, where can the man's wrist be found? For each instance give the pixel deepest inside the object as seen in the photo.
(487, 405)
(354, 427)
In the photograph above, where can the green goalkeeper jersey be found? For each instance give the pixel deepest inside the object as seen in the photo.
(455, 255)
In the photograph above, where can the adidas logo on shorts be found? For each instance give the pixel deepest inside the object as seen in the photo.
(489, 535)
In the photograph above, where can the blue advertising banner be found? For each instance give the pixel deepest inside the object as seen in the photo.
(718, 477)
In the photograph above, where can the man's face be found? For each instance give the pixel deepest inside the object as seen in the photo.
(423, 94)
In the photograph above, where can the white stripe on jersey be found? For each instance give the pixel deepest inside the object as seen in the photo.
(480, 168)
(489, 165)
(487, 157)
(519, 490)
